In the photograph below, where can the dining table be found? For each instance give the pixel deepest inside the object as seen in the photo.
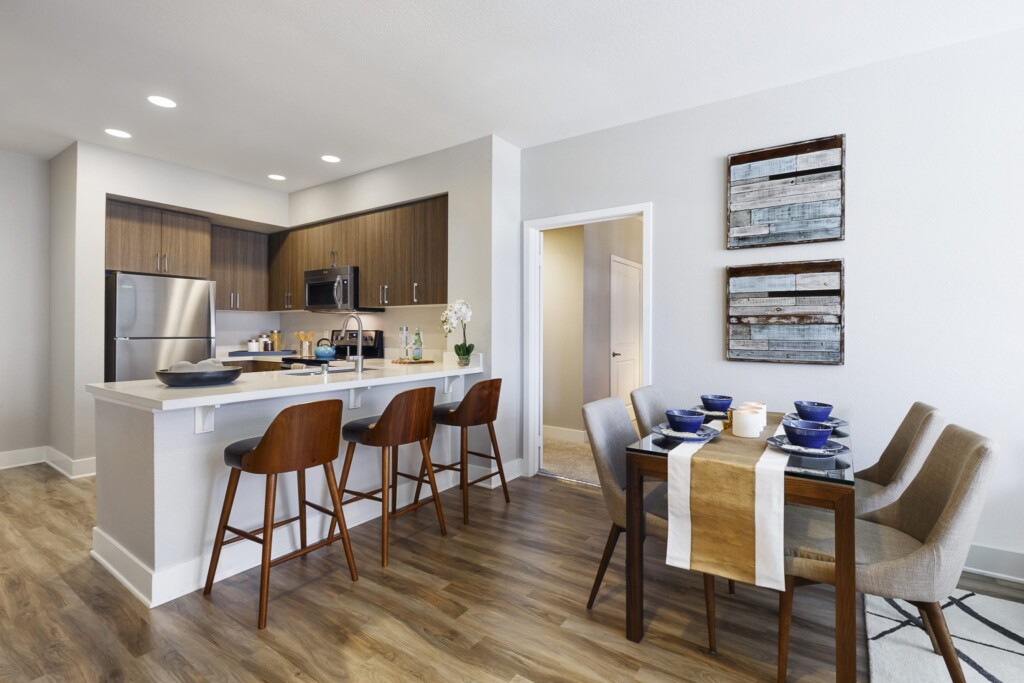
(817, 482)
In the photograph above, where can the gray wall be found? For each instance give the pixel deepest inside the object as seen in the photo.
(563, 328)
(24, 282)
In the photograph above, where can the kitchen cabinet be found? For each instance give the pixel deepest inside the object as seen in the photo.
(239, 261)
(287, 256)
(142, 239)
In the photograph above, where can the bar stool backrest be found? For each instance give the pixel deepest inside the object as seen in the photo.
(301, 436)
(480, 405)
(407, 419)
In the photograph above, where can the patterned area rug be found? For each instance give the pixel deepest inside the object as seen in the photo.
(988, 634)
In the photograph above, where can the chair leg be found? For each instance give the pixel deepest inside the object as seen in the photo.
(423, 467)
(732, 587)
(385, 462)
(339, 514)
(300, 478)
(343, 482)
(497, 460)
(709, 608)
(464, 472)
(218, 542)
(931, 633)
(394, 479)
(268, 537)
(785, 619)
(433, 486)
(938, 623)
(609, 548)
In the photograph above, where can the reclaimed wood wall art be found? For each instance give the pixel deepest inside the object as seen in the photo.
(786, 312)
(787, 195)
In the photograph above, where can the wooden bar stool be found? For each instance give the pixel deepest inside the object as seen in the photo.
(405, 420)
(300, 437)
(479, 407)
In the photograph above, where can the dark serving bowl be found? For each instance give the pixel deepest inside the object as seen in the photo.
(716, 402)
(812, 410)
(684, 420)
(807, 433)
(208, 378)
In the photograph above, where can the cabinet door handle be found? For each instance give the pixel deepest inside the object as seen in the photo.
(231, 300)
(238, 301)
(415, 298)
(334, 258)
(288, 300)
(385, 294)
(380, 295)
(166, 269)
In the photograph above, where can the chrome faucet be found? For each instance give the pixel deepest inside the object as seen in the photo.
(358, 358)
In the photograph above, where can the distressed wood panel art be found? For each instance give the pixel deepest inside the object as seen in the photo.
(786, 312)
(787, 195)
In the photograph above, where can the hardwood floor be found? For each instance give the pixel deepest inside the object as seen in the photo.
(500, 600)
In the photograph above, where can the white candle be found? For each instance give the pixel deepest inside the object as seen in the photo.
(746, 423)
(760, 408)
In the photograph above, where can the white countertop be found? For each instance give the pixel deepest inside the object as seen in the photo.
(152, 394)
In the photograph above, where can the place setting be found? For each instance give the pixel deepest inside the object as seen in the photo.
(807, 437)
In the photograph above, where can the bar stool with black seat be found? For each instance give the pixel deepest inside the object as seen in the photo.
(479, 407)
(405, 420)
(300, 437)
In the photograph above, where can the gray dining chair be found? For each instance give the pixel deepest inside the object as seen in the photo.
(884, 482)
(913, 549)
(650, 404)
(610, 431)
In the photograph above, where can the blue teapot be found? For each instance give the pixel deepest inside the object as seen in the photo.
(324, 349)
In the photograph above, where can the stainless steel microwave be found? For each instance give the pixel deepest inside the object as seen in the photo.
(332, 289)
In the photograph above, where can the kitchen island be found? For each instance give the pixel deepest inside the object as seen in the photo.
(160, 473)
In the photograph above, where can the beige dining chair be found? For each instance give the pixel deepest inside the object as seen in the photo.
(913, 549)
(884, 482)
(650, 404)
(610, 431)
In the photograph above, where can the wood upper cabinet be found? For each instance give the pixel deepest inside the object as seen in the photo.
(239, 264)
(428, 252)
(142, 239)
(288, 260)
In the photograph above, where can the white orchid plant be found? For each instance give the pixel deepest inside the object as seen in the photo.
(458, 314)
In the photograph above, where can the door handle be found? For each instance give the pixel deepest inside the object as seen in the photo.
(385, 294)
(158, 262)
(415, 298)
(380, 295)
(231, 300)
(238, 301)
(615, 353)
(337, 283)
(166, 269)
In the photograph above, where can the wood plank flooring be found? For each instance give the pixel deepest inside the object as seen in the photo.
(500, 600)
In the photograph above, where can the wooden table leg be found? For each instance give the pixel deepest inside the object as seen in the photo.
(634, 550)
(846, 595)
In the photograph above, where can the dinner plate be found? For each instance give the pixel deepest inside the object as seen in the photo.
(703, 434)
(834, 421)
(716, 414)
(830, 449)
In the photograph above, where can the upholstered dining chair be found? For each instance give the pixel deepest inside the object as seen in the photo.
(913, 549)
(884, 482)
(610, 430)
(650, 405)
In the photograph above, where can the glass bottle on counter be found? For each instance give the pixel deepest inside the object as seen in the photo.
(275, 340)
(417, 345)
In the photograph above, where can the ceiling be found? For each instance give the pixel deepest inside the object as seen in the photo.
(268, 86)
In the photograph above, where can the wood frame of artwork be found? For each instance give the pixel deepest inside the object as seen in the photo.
(786, 312)
(791, 194)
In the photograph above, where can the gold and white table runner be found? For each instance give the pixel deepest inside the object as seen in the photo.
(726, 501)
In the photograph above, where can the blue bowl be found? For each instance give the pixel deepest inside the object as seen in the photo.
(807, 433)
(716, 402)
(684, 420)
(812, 410)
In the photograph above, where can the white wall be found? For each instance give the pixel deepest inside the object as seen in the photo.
(481, 179)
(24, 281)
(102, 171)
(563, 313)
(932, 252)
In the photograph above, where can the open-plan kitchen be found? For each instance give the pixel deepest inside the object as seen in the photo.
(553, 341)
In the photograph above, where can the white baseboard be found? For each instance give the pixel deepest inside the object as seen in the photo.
(565, 434)
(72, 469)
(996, 562)
(23, 456)
(513, 470)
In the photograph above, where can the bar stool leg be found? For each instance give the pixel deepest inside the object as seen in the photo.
(464, 472)
(433, 487)
(343, 482)
(394, 479)
(340, 518)
(497, 459)
(300, 478)
(423, 467)
(385, 461)
(218, 543)
(268, 537)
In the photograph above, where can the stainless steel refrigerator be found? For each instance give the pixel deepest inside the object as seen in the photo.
(153, 322)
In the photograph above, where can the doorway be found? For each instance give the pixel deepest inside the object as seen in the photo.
(577, 337)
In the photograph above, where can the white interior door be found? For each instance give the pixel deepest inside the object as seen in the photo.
(626, 311)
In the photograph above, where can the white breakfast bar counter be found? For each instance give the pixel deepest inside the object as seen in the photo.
(160, 473)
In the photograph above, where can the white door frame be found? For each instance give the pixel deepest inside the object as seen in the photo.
(533, 325)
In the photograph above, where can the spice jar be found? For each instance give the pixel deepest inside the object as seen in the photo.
(275, 340)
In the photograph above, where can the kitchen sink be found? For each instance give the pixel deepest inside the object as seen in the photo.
(332, 371)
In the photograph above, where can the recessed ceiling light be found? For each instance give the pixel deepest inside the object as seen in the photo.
(165, 102)
(330, 158)
(275, 176)
(117, 133)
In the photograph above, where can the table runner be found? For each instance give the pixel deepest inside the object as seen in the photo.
(725, 503)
